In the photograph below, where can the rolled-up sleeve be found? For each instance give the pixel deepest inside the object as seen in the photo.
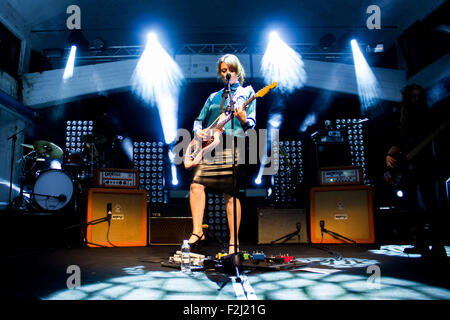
(251, 109)
(198, 122)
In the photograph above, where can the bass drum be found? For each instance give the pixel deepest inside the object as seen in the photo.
(52, 190)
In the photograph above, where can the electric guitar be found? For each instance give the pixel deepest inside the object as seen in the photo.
(395, 176)
(198, 147)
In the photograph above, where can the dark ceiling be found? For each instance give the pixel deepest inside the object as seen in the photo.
(126, 22)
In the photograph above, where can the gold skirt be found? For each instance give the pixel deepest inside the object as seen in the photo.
(215, 171)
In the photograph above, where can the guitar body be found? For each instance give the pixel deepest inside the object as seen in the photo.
(396, 176)
(198, 148)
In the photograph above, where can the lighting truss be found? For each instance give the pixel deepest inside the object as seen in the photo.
(116, 53)
(285, 183)
(148, 159)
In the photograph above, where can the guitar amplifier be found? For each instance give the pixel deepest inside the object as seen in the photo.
(128, 224)
(116, 178)
(329, 176)
(275, 223)
(345, 210)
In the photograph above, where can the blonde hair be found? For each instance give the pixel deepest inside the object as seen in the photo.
(233, 62)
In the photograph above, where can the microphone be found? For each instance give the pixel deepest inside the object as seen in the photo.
(322, 226)
(108, 211)
(61, 198)
(227, 78)
(225, 89)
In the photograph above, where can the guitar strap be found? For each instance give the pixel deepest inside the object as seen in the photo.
(224, 97)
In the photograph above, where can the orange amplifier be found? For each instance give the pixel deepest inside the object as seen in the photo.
(116, 178)
(333, 176)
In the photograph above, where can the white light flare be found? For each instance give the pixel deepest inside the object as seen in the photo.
(68, 71)
(273, 127)
(282, 64)
(55, 164)
(368, 87)
(174, 175)
(173, 168)
(157, 80)
(127, 147)
(310, 120)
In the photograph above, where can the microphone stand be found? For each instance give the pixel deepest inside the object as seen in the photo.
(13, 151)
(289, 236)
(235, 261)
(334, 234)
(94, 222)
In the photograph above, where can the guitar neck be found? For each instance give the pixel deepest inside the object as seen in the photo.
(244, 107)
(222, 123)
(426, 141)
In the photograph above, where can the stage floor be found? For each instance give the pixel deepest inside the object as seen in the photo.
(326, 272)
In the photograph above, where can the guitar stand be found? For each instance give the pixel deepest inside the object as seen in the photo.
(288, 236)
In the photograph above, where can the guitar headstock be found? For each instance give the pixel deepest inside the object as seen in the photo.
(265, 90)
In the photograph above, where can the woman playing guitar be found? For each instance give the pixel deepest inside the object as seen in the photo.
(214, 172)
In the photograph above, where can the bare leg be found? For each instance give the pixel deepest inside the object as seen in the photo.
(230, 217)
(197, 200)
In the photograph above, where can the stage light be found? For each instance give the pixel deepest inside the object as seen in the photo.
(151, 172)
(258, 180)
(55, 164)
(368, 87)
(274, 123)
(74, 131)
(127, 146)
(157, 80)
(283, 65)
(68, 71)
(174, 175)
(400, 193)
(327, 41)
(310, 120)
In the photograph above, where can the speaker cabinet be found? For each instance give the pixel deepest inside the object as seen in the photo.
(169, 230)
(128, 227)
(275, 223)
(345, 210)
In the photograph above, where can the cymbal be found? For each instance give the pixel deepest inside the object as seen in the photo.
(27, 145)
(93, 138)
(47, 149)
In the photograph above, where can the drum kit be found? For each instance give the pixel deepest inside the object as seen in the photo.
(53, 179)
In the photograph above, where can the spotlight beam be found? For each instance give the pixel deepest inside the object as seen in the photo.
(157, 80)
(68, 71)
(368, 87)
(282, 64)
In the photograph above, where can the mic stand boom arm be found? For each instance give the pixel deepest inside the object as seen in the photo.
(337, 235)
